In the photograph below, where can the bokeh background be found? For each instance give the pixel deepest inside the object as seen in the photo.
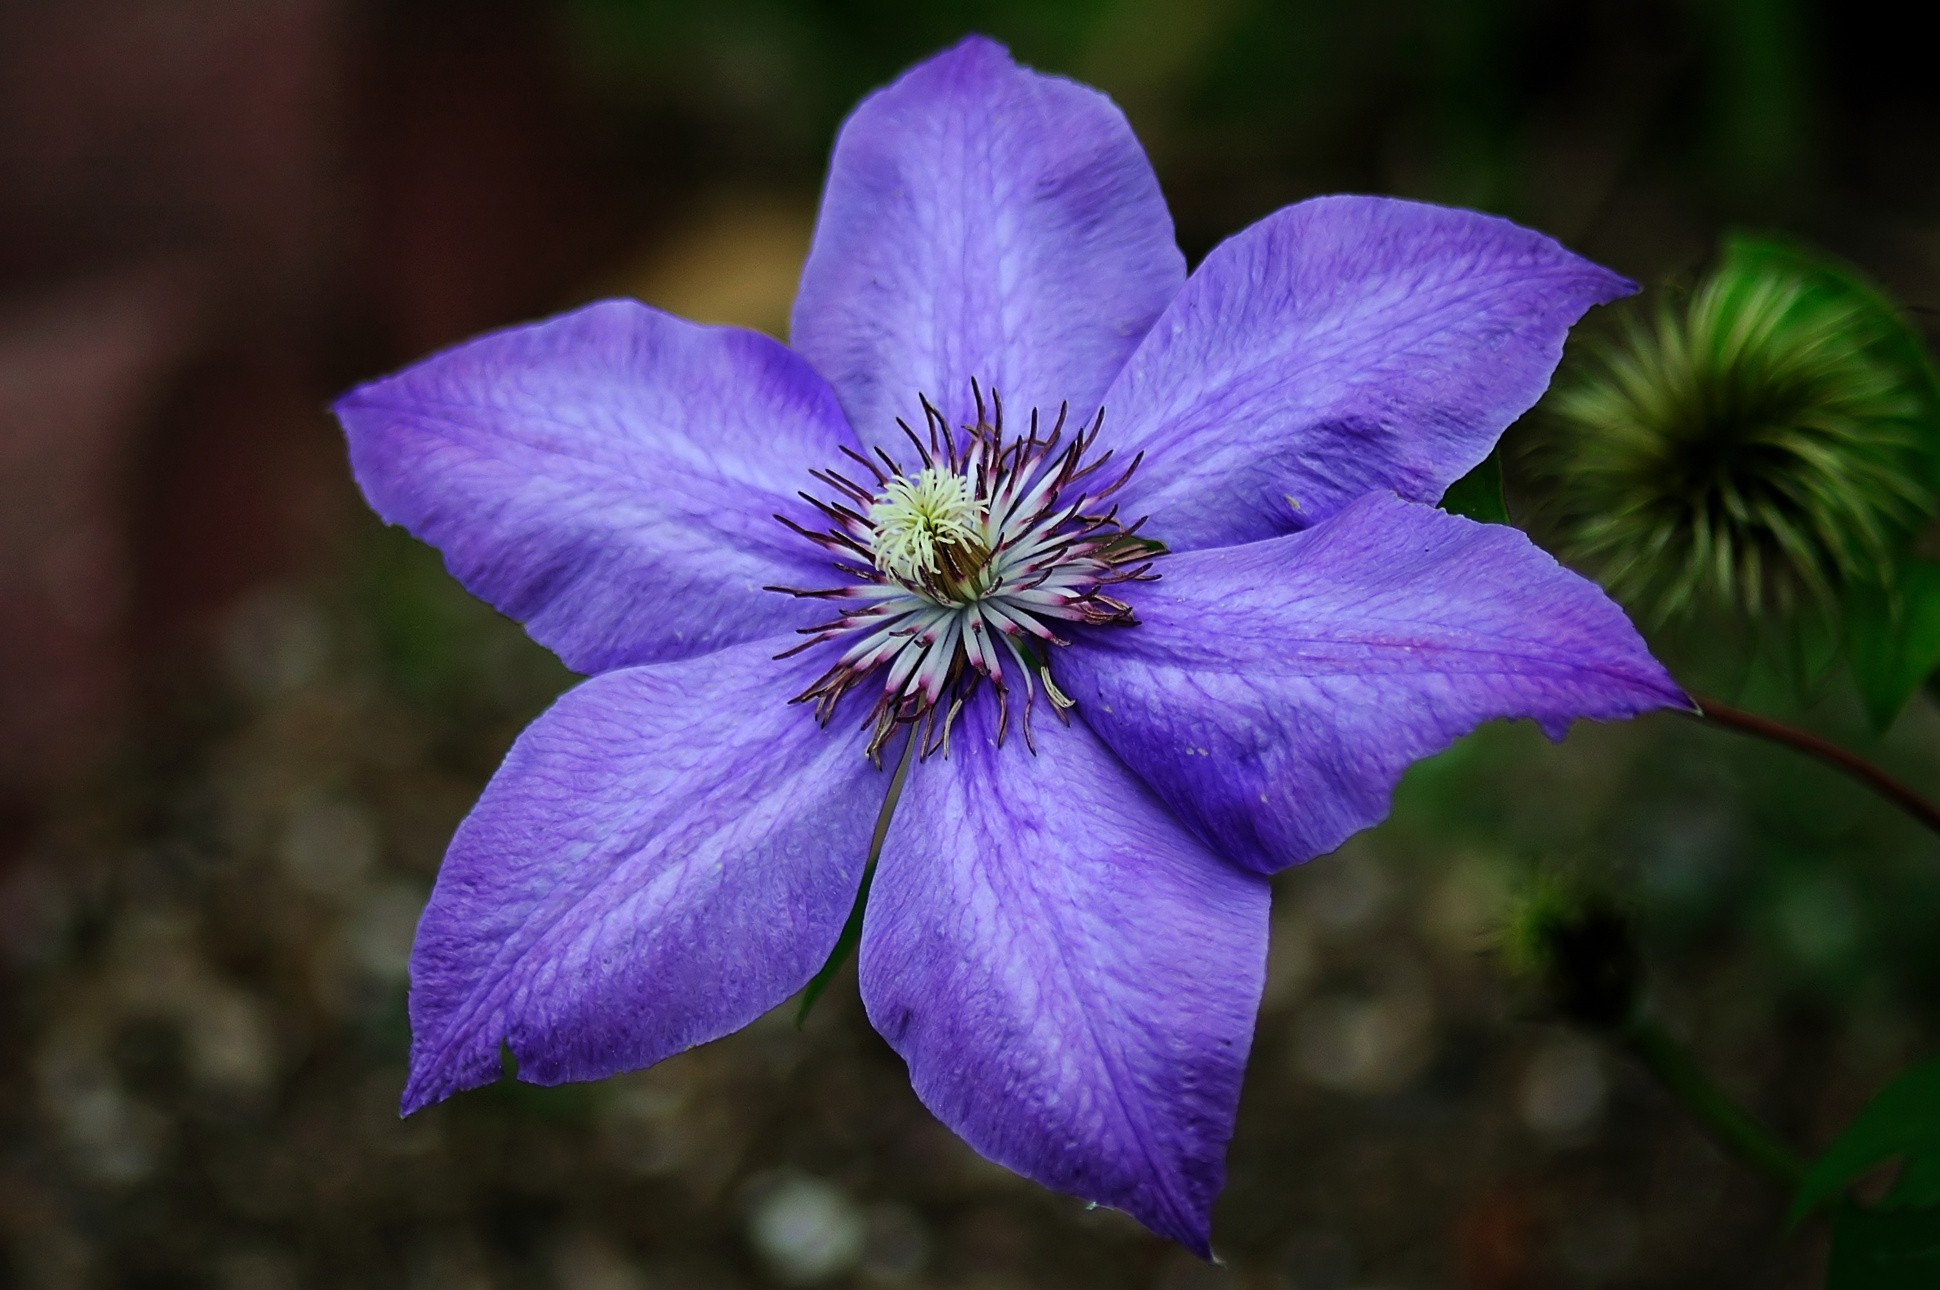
(239, 719)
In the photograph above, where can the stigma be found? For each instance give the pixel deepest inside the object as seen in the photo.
(928, 532)
(964, 571)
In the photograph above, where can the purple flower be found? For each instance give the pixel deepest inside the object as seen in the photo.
(780, 567)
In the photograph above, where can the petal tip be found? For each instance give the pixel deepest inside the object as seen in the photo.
(1164, 1207)
(980, 45)
(1679, 698)
(355, 407)
(975, 52)
(1611, 285)
(1186, 1217)
(420, 1091)
(1193, 1231)
(431, 1082)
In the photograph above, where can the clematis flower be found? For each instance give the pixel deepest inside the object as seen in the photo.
(1137, 575)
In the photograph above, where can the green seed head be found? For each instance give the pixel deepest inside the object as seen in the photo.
(1755, 448)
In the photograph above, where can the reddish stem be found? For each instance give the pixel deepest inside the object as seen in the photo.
(1804, 741)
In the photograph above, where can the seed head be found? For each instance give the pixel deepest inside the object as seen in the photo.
(1757, 446)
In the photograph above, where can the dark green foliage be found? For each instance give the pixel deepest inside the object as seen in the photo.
(1903, 1121)
(1478, 494)
(1885, 1249)
(1893, 636)
(1894, 1245)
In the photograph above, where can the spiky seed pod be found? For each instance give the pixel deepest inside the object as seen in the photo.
(1756, 448)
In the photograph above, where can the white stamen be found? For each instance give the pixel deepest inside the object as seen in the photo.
(914, 517)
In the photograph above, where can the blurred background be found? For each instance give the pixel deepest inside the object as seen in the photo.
(239, 719)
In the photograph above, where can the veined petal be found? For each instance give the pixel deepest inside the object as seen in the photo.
(666, 854)
(1273, 693)
(1071, 977)
(1337, 347)
(982, 221)
(608, 477)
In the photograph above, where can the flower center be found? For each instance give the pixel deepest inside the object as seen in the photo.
(957, 571)
(929, 533)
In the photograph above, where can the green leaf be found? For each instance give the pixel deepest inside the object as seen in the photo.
(1903, 1119)
(1918, 1185)
(1802, 654)
(1884, 1249)
(1893, 637)
(1478, 494)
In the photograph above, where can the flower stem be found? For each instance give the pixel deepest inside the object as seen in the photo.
(1920, 808)
(851, 936)
(1729, 1124)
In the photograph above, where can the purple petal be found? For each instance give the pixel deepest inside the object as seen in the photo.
(982, 221)
(608, 477)
(665, 855)
(1273, 693)
(1070, 976)
(1338, 347)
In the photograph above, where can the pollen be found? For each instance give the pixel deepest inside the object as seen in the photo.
(927, 526)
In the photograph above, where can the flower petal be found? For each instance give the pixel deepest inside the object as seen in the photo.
(1339, 346)
(608, 477)
(665, 855)
(982, 221)
(1070, 976)
(1273, 693)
